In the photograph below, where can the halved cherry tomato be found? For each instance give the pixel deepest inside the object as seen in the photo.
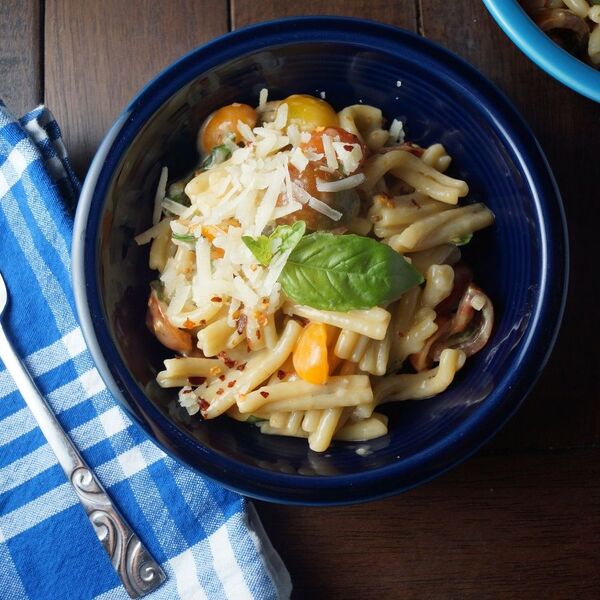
(315, 144)
(223, 122)
(166, 333)
(307, 180)
(310, 355)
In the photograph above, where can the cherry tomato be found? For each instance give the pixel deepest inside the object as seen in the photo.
(310, 355)
(222, 122)
(315, 144)
(166, 333)
(308, 112)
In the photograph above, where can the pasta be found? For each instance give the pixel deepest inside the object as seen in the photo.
(310, 270)
(572, 24)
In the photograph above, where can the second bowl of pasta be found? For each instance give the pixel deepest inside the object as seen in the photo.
(324, 260)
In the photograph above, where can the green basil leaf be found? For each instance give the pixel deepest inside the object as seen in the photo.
(283, 238)
(217, 155)
(190, 239)
(462, 240)
(286, 237)
(260, 247)
(346, 272)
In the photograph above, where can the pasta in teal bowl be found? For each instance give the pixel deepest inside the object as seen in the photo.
(320, 260)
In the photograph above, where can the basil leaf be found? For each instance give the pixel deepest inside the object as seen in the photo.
(217, 155)
(346, 272)
(286, 237)
(260, 247)
(283, 238)
(462, 240)
(190, 239)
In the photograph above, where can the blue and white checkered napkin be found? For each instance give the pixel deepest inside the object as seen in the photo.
(208, 540)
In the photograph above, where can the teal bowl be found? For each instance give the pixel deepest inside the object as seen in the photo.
(532, 41)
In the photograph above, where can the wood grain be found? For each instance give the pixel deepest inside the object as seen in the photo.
(401, 13)
(518, 527)
(563, 410)
(98, 54)
(20, 73)
(510, 523)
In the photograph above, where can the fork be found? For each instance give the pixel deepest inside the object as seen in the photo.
(138, 571)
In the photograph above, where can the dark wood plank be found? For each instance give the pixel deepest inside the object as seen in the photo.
(98, 54)
(563, 410)
(498, 527)
(20, 70)
(401, 13)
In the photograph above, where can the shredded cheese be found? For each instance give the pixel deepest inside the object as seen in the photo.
(340, 185)
(161, 191)
(397, 132)
(330, 155)
(212, 271)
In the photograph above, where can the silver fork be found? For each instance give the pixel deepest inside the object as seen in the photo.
(138, 571)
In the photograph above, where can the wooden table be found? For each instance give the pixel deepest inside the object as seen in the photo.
(522, 518)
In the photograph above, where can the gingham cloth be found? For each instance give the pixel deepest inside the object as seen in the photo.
(208, 540)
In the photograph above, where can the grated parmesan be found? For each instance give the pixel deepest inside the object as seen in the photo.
(340, 185)
(161, 191)
(330, 155)
(324, 209)
(262, 98)
(397, 132)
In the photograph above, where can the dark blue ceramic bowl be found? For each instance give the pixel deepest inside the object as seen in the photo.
(521, 261)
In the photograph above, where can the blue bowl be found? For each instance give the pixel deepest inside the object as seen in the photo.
(531, 40)
(521, 261)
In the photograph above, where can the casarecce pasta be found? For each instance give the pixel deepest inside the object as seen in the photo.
(310, 270)
(572, 24)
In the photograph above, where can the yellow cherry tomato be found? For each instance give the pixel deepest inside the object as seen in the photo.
(308, 112)
(222, 122)
(310, 355)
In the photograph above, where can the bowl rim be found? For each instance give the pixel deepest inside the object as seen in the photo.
(535, 44)
(456, 446)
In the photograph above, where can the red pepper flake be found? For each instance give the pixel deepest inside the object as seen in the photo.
(348, 147)
(219, 391)
(196, 380)
(280, 374)
(241, 367)
(264, 394)
(229, 363)
(203, 404)
(241, 324)
(216, 299)
(222, 377)
(231, 383)
(262, 319)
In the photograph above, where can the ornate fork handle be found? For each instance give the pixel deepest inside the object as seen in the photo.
(138, 571)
